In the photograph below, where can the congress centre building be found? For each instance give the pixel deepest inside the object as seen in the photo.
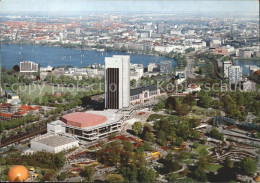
(87, 126)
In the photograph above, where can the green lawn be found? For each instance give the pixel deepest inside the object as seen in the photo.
(201, 113)
(189, 161)
(153, 117)
(214, 167)
(30, 92)
(197, 150)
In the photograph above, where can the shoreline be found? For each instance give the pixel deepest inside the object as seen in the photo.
(137, 52)
(247, 59)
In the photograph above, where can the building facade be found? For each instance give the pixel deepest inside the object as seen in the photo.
(144, 94)
(117, 82)
(136, 71)
(234, 74)
(28, 67)
(226, 65)
(160, 28)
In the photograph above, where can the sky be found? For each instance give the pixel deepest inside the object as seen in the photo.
(129, 5)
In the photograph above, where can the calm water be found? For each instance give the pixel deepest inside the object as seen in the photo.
(56, 56)
(245, 64)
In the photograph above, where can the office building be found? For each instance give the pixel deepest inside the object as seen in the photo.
(226, 65)
(28, 67)
(234, 74)
(117, 82)
(160, 28)
(243, 53)
(165, 67)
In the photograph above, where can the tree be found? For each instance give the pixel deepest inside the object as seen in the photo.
(16, 68)
(60, 160)
(204, 100)
(200, 175)
(20, 130)
(133, 82)
(123, 49)
(37, 101)
(172, 103)
(178, 141)
(3, 161)
(214, 133)
(195, 135)
(194, 122)
(161, 137)
(160, 105)
(137, 127)
(147, 175)
(87, 173)
(229, 163)
(203, 141)
(113, 155)
(62, 176)
(202, 162)
(248, 166)
(147, 146)
(189, 99)
(183, 109)
(170, 164)
(172, 177)
(127, 151)
(195, 144)
(115, 178)
(149, 136)
(203, 152)
(129, 173)
(147, 128)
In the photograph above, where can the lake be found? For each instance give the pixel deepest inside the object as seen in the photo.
(245, 64)
(57, 56)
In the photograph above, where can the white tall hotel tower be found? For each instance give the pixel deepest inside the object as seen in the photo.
(117, 82)
(234, 74)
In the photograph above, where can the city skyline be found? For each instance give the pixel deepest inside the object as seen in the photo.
(13, 6)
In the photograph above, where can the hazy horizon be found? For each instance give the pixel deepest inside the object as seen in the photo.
(144, 6)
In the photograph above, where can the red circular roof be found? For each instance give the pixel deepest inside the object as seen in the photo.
(81, 119)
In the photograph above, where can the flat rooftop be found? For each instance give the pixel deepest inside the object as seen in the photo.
(53, 140)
